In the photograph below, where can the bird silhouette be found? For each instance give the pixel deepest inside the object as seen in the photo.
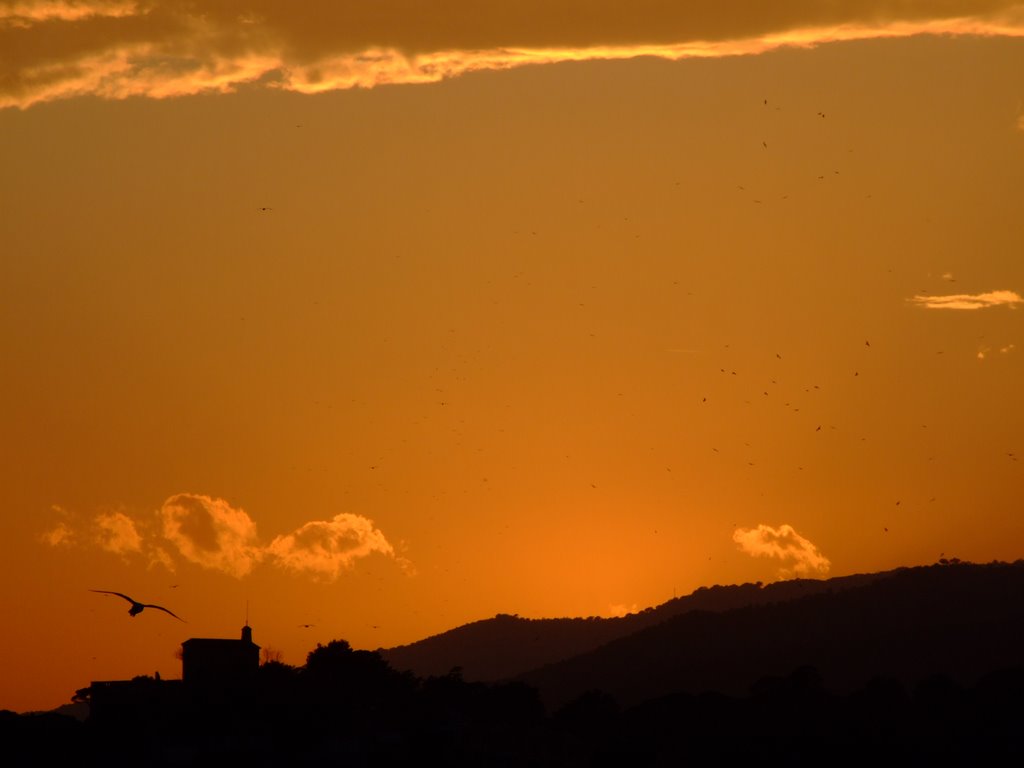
(137, 607)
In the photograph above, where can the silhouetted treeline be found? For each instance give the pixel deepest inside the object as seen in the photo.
(796, 720)
(344, 707)
(930, 682)
(289, 717)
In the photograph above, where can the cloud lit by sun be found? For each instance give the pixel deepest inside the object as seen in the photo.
(162, 49)
(25, 13)
(970, 301)
(117, 533)
(618, 610)
(799, 556)
(325, 548)
(210, 533)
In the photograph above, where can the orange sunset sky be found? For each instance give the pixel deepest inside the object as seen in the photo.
(387, 316)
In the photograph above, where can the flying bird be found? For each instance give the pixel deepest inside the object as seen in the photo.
(137, 607)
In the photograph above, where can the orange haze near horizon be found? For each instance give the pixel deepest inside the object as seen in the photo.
(552, 340)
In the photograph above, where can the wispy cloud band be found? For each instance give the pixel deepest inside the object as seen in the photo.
(969, 301)
(26, 13)
(53, 49)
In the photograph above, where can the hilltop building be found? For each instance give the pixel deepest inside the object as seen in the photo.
(214, 661)
(209, 667)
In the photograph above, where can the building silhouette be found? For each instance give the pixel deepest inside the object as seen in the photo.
(210, 669)
(216, 662)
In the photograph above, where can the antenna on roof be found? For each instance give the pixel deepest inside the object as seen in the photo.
(247, 613)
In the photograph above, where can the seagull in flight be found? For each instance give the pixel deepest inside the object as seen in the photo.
(137, 607)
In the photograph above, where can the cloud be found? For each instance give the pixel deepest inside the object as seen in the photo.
(799, 556)
(211, 533)
(1004, 350)
(116, 533)
(618, 610)
(160, 556)
(327, 547)
(60, 535)
(25, 13)
(969, 301)
(63, 533)
(161, 48)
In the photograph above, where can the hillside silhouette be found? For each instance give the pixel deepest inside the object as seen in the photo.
(506, 646)
(918, 664)
(957, 620)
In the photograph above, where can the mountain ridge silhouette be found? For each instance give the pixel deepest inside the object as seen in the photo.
(959, 620)
(506, 646)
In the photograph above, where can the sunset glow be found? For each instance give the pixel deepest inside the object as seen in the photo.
(372, 319)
